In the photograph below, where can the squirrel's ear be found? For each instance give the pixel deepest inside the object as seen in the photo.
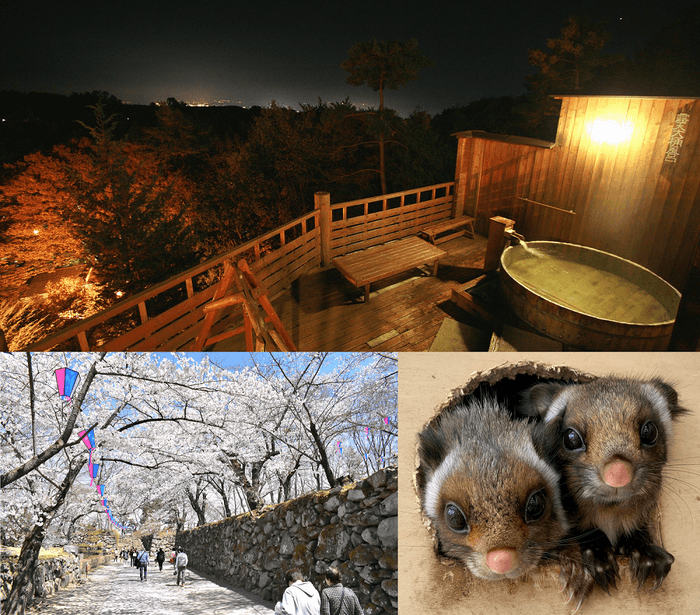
(671, 397)
(432, 446)
(540, 398)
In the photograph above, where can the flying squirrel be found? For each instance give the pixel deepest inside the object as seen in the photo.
(492, 499)
(609, 441)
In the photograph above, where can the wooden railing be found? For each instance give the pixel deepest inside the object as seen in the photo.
(360, 224)
(277, 258)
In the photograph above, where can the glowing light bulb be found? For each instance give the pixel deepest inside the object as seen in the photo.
(610, 131)
(36, 232)
(119, 293)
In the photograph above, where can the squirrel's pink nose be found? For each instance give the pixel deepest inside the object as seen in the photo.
(617, 473)
(502, 560)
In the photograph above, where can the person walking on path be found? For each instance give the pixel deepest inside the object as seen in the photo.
(143, 565)
(300, 598)
(336, 599)
(181, 565)
(160, 558)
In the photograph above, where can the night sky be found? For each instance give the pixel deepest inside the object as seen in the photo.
(252, 52)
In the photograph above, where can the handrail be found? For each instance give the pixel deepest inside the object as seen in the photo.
(75, 330)
(393, 195)
(79, 329)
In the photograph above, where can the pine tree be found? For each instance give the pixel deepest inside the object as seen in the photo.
(384, 64)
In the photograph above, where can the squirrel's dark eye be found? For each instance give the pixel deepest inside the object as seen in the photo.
(649, 433)
(573, 440)
(535, 507)
(455, 519)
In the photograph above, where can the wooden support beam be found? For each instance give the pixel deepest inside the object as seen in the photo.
(222, 289)
(497, 231)
(322, 202)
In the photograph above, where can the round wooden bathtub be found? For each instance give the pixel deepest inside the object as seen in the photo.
(587, 298)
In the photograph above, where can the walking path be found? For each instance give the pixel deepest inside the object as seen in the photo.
(115, 590)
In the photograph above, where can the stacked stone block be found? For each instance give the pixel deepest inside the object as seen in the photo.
(354, 528)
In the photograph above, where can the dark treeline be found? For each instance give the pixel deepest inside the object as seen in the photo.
(140, 192)
(37, 121)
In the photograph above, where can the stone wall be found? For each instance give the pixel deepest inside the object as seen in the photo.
(52, 574)
(92, 540)
(354, 528)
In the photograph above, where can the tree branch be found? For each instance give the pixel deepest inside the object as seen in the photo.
(62, 441)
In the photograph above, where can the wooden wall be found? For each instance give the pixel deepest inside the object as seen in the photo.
(631, 198)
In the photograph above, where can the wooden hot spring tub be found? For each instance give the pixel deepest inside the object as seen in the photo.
(588, 299)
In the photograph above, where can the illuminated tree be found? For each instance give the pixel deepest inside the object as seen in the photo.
(380, 65)
(126, 212)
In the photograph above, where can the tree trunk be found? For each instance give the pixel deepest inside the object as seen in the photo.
(199, 509)
(220, 487)
(250, 489)
(22, 590)
(382, 164)
(325, 464)
(382, 155)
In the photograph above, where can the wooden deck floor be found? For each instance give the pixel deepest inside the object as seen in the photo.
(322, 311)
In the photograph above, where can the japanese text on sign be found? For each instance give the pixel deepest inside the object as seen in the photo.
(677, 134)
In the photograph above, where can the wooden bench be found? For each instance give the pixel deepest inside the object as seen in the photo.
(454, 227)
(389, 259)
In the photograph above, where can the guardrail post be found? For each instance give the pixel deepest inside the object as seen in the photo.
(322, 202)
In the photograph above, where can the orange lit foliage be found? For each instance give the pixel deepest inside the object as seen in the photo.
(36, 200)
(105, 202)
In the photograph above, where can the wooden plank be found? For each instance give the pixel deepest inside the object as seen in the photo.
(584, 178)
(654, 187)
(381, 262)
(453, 224)
(156, 327)
(361, 225)
(665, 243)
(284, 342)
(568, 197)
(602, 212)
(472, 306)
(221, 290)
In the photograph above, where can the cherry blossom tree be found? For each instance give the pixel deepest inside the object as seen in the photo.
(177, 438)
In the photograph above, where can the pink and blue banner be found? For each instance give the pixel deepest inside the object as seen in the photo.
(88, 438)
(66, 379)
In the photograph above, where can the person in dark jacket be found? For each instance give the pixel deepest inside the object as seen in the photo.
(336, 599)
(160, 558)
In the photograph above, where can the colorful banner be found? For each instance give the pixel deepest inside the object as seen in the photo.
(66, 379)
(87, 438)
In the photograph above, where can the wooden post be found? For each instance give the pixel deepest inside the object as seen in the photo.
(461, 180)
(494, 247)
(322, 202)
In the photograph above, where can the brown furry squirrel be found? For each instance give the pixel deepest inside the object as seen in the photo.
(609, 440)
(492, 500)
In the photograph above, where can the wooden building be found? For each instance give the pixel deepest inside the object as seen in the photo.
(623, 177)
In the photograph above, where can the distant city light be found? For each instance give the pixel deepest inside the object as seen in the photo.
(119, 294)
